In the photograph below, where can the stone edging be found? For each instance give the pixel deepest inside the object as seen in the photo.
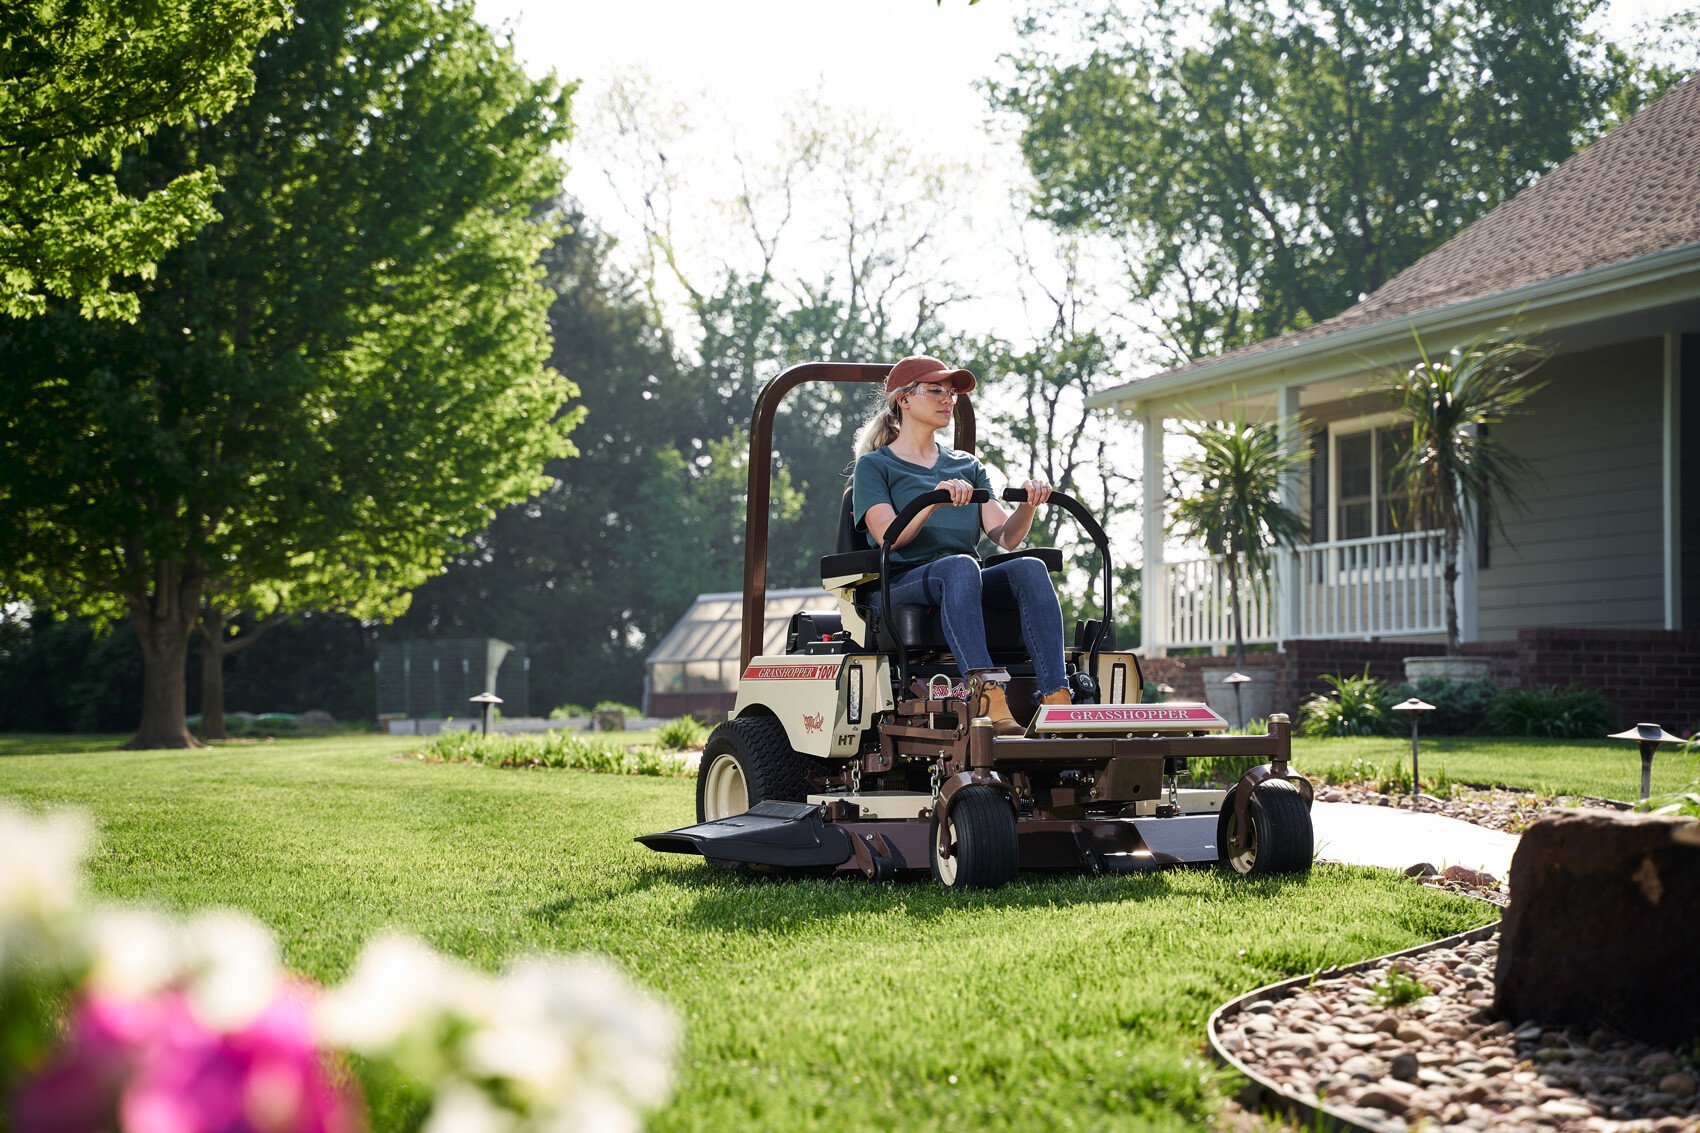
(1312, 1111)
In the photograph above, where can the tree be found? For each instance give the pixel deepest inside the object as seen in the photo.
(1454, 465)
(83, 83)
(1267, 165)
(329, 386)
(1234, 502)
(1034, 422)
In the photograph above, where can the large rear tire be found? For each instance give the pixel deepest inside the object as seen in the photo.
(985, 853)
(1280, 838)
(745, 762)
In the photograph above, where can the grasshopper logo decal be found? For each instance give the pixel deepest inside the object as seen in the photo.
(814, 723)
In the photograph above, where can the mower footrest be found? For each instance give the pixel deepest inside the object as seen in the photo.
(790, 835)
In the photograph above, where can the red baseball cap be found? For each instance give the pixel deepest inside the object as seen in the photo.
(920, 368)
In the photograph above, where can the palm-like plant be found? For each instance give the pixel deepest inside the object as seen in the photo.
(1454, 464)
(1236, 505)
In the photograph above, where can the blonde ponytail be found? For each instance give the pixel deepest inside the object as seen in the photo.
(882, 428)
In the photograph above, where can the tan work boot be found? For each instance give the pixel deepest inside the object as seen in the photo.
(994, 704)
(1060, 696)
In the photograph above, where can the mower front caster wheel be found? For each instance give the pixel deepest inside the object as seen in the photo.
(1279, 837)
(980, 832)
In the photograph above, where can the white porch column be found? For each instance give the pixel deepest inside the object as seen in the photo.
(1292, 497)
(1154, 629)
(1671, 497)
(1469, 552)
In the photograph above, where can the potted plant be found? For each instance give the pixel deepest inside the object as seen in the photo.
(1455, 463)
(1235, 507)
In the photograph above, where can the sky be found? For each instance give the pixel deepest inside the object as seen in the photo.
(738, 66)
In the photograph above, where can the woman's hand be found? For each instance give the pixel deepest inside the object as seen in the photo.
(1037, 492)
(961, 491)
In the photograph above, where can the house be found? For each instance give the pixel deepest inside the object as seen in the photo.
(1595, 579)
(694, 669)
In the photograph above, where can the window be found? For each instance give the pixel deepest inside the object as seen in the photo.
(1366, 502)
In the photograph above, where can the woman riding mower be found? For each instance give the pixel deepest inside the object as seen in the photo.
(897, 459)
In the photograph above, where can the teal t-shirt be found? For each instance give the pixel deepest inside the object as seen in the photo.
(883, 478)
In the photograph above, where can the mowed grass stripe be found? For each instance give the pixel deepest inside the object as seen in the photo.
(1064, 1001)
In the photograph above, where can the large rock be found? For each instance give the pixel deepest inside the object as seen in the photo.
(1604, 925)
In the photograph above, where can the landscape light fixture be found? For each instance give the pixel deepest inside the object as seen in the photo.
(1237, 679)
(486, 701)
(1649, 736)
(1415, 708)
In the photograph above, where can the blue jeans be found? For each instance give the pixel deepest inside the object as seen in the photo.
(957, 585)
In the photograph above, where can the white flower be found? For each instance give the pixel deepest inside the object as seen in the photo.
(621, 1036)
(133, 952)
(553, 1045)
(398, 986)
(460, 1108)
(41, 863)
(232, 968)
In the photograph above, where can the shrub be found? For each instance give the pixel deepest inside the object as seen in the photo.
(677, 735)
(1576, 712)
(602, 754)
(568, 712)
(611, 715)
(1358, 706)
(1460, 707)
(316, 722)
(1220, 770)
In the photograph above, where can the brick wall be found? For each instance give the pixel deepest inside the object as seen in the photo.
(1651, 675)
(1647, 674)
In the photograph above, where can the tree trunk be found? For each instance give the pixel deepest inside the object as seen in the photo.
(1234, 609)
(1449, 551)
(212, 674)
(163, 616)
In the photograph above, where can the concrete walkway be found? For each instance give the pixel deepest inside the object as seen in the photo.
(1385, 836)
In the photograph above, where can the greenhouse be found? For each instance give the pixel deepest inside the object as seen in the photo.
(694, 671)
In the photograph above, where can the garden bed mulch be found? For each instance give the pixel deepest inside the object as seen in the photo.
(1336, 1045)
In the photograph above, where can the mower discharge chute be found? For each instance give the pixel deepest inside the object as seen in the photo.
(849, 753)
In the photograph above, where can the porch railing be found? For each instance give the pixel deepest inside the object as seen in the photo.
(1386, 586)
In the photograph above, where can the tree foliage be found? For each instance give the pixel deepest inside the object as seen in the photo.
(80, 83)
(1233, 503)
(330, 385)
(1454, 464)
(1266, 165)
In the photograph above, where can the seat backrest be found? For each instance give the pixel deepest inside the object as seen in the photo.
(850, 537)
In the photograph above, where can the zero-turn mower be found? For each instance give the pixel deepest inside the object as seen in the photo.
(849, 753)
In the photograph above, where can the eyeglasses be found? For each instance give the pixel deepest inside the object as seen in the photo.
(938, 391)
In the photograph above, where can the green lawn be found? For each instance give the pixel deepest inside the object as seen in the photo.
(1609, 769)
(1064, 1002)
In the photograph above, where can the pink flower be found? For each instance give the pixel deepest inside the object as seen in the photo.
(151, 1066)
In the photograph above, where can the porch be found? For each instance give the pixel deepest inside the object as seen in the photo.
(1388, 586)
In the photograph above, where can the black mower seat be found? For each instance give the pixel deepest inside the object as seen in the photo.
(920, 627)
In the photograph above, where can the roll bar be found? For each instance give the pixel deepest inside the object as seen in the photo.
(761, 473)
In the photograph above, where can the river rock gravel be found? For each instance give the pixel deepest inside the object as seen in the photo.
(1443, 1061)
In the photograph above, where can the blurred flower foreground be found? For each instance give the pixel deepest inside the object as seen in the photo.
(121, 1018)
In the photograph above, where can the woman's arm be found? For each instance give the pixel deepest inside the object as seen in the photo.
(1007, 530)
(879, 516)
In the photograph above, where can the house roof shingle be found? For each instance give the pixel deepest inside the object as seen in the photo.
(1634, 192)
